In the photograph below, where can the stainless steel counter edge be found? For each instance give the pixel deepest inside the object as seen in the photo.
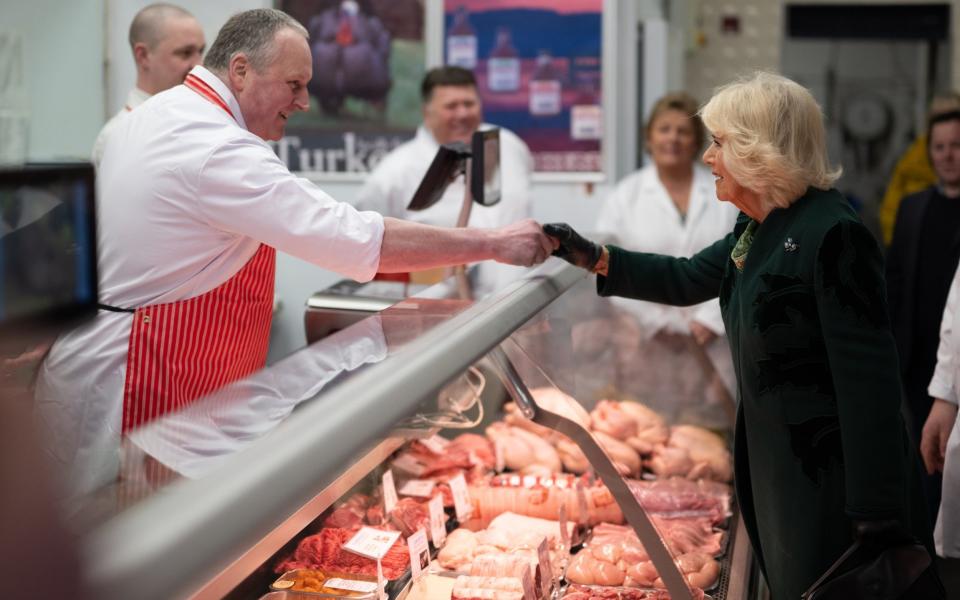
(169, 545)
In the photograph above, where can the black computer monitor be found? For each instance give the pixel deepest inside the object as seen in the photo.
(48, 250)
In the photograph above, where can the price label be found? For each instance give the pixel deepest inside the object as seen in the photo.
(419, 553)
(461, 497)
(546, 570)
(438, 521)
(583, 510)
(436, 444)
(381, 581)
(408, 464)
(499, 460)
(564, 531)
(529, 590)
(351, 585)
(372, 543)
(422, 488)
(389, 492)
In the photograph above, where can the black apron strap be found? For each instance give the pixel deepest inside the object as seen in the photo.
(115, 308)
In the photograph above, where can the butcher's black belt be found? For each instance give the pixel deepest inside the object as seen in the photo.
(115, 308)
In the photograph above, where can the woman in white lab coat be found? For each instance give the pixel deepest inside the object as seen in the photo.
(675, 358)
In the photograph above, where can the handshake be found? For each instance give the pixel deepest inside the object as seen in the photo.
(574, 248)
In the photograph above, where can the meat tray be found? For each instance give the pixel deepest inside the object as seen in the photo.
(285, 583)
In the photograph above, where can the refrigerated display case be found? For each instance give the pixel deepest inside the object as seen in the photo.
(209, 498)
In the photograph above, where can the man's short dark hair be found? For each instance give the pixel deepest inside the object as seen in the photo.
(447, 75)
(953, 115)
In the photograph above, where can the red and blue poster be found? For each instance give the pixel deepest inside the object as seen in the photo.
(538, 70)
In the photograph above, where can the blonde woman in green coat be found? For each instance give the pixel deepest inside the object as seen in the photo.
(821, 451)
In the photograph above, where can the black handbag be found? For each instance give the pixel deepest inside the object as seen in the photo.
(865, 574)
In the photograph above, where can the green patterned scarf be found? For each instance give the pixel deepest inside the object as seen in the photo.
(740, 249)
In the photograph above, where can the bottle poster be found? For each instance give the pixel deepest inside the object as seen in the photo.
(538, 70)
(368, 61)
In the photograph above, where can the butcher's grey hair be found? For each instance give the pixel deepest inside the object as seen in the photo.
(252, 33)
(147, 26)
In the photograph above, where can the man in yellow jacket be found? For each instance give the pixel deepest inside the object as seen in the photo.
(913, 172)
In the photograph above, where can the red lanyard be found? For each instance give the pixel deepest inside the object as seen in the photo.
(203, 88)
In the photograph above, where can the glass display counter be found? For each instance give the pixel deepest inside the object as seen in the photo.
(214, 500)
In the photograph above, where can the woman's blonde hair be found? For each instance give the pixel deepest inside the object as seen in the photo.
(773, 137)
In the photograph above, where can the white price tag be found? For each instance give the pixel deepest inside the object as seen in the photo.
(389, 492)
(422, 488)
(438, 521)
(419, 553)
(351, 585)
(408, 464)
(546, 569)
(381, 581)
(529, 590)
(436, 444)
(461, 497)
(564, 530)
(583, 509)
(372, 543)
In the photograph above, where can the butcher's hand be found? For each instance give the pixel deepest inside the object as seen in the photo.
(573, 247)
(936, 432)
(523, 243)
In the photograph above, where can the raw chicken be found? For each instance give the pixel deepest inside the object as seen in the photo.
(624, 458)
(524, 451)
(694, 453)
(651, 429)
(610, 419)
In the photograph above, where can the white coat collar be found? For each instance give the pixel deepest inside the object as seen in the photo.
(221, 88)
(135, 98)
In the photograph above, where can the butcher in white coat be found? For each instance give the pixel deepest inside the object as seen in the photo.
(670, 207)
(193, 204)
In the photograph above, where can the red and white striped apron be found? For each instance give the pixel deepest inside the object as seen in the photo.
(180, 351)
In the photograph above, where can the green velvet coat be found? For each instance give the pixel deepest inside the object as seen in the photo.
(820, 440)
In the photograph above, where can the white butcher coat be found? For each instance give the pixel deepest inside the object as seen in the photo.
(185, 195)
(135, 98)
(945, 384)
(639, 215)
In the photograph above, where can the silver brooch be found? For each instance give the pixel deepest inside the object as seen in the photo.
(790, 245)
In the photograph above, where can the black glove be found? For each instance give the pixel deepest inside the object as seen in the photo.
(574, 248)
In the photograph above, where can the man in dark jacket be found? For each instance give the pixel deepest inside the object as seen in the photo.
(920, 265)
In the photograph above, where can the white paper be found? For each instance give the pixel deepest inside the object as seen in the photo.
(422, 488)
(372, 543)
(419, 553)
(546, 569)
(407, 463)
(351, 585)
(438, 521)
(461, 497)
(389, 492)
